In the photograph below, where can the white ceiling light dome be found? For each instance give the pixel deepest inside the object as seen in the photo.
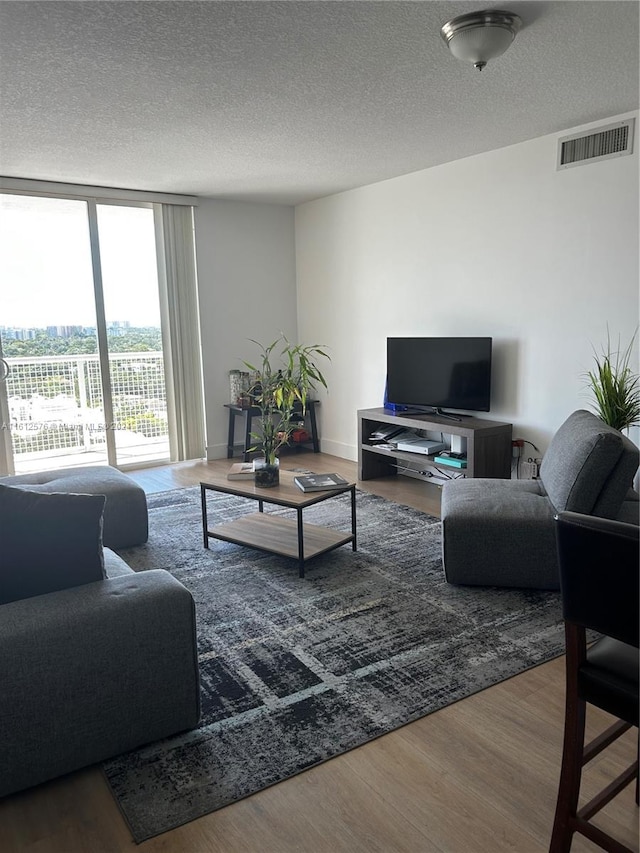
(478, 37)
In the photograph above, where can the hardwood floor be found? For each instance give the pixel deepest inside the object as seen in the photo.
(477, 777)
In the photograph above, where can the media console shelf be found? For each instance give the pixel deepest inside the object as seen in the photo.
(488, 446)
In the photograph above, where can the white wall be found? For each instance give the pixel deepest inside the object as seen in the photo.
(500, 244)
(246, 285)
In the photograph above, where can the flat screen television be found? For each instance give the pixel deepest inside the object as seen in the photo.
(439, 373)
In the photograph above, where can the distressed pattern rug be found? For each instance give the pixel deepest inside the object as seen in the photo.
(296, 671)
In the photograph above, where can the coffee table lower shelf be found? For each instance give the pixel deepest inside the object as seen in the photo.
(281, 536)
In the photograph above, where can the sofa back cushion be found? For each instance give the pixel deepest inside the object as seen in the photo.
(48, 542)
(588, 467)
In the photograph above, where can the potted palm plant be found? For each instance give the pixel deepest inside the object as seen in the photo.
(615, 386)
(283, 378)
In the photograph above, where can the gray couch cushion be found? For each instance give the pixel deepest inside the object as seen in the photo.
(630, 509)
(115, 566)
(125, 513)
(498, 533)
(615, 491)
(48, 542)
(586, 466)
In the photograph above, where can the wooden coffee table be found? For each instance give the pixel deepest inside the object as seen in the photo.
(267, 532)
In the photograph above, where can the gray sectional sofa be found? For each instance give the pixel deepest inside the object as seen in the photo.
(501, 532)
(95, 659)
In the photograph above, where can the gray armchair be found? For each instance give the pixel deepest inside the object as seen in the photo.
(501, 532)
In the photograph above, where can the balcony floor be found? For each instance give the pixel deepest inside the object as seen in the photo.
(131, 457)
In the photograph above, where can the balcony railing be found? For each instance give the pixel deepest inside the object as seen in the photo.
(56, 408)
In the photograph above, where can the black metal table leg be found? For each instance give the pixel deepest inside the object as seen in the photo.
(205, 525)
(300, 544)
(353, 518)
(231, 433)
(314, 427)
(248, 417)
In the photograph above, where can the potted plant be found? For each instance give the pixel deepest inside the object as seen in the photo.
(283, 378)
(615, 387)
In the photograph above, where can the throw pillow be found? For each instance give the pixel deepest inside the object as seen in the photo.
(48, 541)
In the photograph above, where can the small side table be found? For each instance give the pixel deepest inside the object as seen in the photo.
(252, 412)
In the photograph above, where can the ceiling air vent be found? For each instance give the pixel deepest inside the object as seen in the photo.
(614, 140)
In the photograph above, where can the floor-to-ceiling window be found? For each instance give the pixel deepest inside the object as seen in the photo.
(81, 329)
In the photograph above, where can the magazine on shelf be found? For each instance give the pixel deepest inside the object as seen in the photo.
(241, 471)
(319, 482)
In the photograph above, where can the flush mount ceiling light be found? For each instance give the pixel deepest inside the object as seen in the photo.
(480, 36)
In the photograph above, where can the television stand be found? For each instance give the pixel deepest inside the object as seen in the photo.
(488, 446)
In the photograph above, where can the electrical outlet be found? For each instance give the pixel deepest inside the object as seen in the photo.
(528, 470)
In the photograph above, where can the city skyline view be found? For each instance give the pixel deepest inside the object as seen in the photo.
(67, 329)
(19, 343)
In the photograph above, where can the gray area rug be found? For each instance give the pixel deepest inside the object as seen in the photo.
(296, 671)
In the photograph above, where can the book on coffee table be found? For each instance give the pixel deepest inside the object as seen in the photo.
(319, 482)
(241, 471)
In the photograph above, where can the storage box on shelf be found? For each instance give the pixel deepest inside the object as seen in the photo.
(488, 446)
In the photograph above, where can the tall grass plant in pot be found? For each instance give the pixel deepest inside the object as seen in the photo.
(615, 386)
(284, 375)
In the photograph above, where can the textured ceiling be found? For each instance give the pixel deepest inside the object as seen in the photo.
(290, 101)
